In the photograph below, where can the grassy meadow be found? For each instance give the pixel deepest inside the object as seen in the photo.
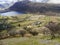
(26, 22)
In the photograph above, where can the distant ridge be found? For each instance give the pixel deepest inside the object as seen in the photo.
(35, 8)
(41, 8)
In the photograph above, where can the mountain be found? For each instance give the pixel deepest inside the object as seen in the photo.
(34, 7)
(5, 4)
(41, 8)
(4, 7)
(1, 6)
(20, 6)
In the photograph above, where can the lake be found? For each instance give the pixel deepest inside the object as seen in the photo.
(11, 13)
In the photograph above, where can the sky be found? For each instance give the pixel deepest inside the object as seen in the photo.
(6, 1)
(49, 1)
(54, 1)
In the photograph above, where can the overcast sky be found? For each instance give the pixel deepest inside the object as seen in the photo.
(50, 1)
(54, 1)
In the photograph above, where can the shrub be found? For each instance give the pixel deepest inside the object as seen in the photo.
(34, 32)
(54, 27)
(4, 34)
(44, 31)
(19, 25)
(37, 23)
(28, 28)
(22, 32)
(12, 33)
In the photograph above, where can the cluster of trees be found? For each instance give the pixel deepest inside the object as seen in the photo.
(5, 26)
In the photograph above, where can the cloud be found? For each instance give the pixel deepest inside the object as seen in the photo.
(54, 1)
(2, 2)
(42, 1)
(7, 1)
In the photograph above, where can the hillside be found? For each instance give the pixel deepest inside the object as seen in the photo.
(39, 8)
(35, 8)
(28, 24)
(28, 29)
